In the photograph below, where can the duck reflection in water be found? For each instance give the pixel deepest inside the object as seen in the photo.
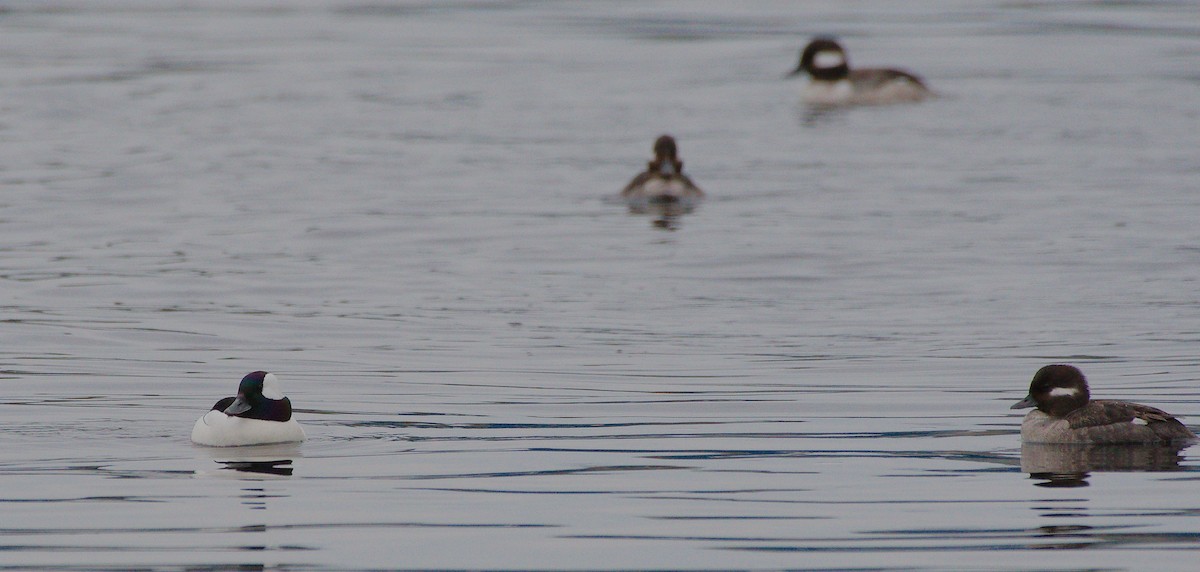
(260, 462)
(282, 467)
(1071, 464)
(662, 189)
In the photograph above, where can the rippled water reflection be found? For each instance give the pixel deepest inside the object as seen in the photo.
(408, 212)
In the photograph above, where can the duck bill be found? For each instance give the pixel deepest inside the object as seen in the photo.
(239, 406)
(1022, 404)
(794, 73)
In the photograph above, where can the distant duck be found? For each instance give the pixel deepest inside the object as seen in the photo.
(663, 181)
(259, 415)
(1066, 414)
(834, 83)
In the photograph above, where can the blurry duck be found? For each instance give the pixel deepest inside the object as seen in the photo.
(1066, 414)
(834, 83)
(663, 181)
(258, 415)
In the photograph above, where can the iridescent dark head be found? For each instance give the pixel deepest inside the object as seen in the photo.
(260, 397)
(252, 384)
(249, 393)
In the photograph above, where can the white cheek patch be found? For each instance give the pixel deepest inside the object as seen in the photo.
(1064, 392)
(828, 59)
(271, 387)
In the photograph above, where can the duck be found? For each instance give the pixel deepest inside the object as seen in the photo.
(663, 181)
(1065, 413)
(259, 415)
(834, 83)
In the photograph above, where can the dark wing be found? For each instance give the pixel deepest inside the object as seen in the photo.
(223, 404)
(1100, 413)
(1164, 425)
(1151, 415)
(692, 186)
(1124, 422)
(871, 78)
(1103, 412)
(637, 182)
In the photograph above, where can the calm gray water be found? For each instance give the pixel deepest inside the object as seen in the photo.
(405, 210)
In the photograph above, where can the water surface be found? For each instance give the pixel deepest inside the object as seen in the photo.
(405, 210)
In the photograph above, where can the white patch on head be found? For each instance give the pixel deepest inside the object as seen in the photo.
(271, 387)
(1064, 392)
(826, 59)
